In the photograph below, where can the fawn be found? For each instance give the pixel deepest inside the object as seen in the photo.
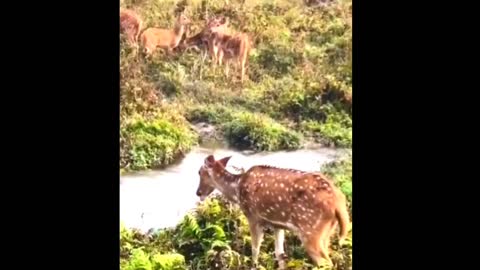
(130, 24)
(305, 203)
(229, 46)
(167, 39)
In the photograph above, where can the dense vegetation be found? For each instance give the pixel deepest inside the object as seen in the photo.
(299, 84)
(216, 236)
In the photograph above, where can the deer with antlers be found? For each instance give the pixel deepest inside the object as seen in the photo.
(308, 204)
(130, 24)
(167, 39)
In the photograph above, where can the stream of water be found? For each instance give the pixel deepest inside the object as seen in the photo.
(159, 199)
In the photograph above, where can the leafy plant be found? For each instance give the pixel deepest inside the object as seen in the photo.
(154, 143)
(172, 261)
(260, 133)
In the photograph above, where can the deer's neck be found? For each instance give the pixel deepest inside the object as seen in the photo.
(178, 31)
(227, 184)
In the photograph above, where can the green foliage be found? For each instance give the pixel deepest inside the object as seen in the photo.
(173, 261)
(140, 260)
(216, 236)
(335, 130)
(211, 114)
(247, 130)
(260, 132)
(154, 142)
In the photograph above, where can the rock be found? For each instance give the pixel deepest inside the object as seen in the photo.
(209, 134)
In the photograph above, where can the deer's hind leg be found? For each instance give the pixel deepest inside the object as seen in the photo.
(331, 231)
(227, 68)
(315, 242)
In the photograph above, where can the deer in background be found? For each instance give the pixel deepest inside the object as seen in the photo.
(130, 24)
(202, 40)
(305, 203)
(228, 46)
(167, 39)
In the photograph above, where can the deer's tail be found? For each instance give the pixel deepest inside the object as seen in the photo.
(343, 218)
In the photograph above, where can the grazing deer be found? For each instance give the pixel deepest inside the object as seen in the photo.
(229, 46)
(130, 24)
(305, 203)
(167, 39)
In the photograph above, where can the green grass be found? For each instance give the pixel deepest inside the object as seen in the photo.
(335, 130)
(259, 132)
(245, 130)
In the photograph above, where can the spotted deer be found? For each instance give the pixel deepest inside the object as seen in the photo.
(307, 204)
(130, 25)
(202, 39)
(167, 39)
(228, 46)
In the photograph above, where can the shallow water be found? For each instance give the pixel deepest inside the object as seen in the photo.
(159, 199)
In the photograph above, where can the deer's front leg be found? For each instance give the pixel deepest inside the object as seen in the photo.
(279, 250)
(215, 55)
(205, 54)
(256, 232)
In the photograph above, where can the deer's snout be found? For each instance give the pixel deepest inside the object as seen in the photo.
(199, 192)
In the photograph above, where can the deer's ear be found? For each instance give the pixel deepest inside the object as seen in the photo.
(224, 161)
(209, 160)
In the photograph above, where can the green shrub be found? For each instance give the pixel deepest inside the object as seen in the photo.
(336, 129)
(154, 143)
(139, 260)
(260, 132)
(172, 261)
(246, 130)
(210, 114)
